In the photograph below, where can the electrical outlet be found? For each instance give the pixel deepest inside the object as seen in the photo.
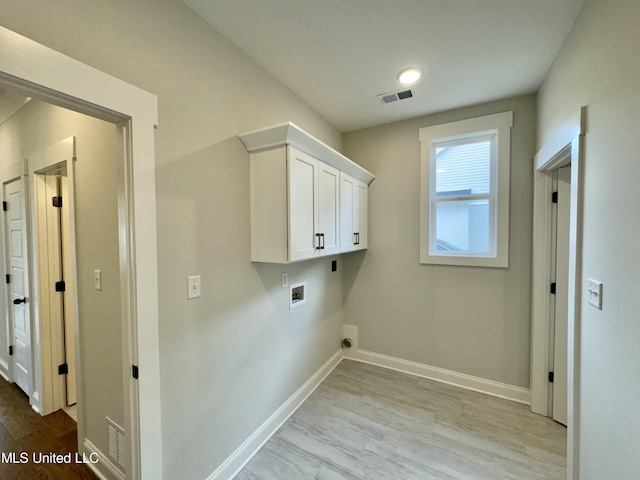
(285, 280)
(193, 285)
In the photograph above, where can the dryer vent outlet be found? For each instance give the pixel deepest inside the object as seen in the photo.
(347, 343)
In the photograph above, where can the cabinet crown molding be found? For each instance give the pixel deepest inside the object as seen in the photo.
(290, 134)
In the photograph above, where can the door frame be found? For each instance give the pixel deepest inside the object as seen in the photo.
(58, 79)
(567, 147)
(48, 383)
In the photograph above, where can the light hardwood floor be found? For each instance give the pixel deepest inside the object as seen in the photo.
(367, 423)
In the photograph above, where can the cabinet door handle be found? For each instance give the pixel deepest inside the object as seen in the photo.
(357, 241)
(322, 237)
(318, 247)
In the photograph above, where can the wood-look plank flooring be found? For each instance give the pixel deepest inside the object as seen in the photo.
(23, 430)
(369, 423)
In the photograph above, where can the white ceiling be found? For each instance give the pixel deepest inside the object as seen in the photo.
(338, 55)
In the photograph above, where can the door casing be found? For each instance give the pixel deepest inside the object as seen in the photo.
(56, 78)
(51, 386)
(567, 147)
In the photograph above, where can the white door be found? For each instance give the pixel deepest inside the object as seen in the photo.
(561, 297)
(328, 213)
(69, 328)
(303, 205)
(18, 263)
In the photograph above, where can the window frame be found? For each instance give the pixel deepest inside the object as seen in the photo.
(498, 126)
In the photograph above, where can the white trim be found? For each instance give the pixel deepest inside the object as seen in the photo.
(559, 151)
(290, 134)
(468, 382)
(245, 452)
(499, 124)
(64, 81)
(4, 370)
(564, 136)
(109, 471)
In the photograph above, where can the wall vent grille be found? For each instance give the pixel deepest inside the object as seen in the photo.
(117, 443)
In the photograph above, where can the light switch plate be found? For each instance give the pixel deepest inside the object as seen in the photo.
(285, 280)
(97, 279)
(594, 293)
(193, 285)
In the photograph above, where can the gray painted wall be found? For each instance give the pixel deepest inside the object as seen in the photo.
(470, 320)
(598, 66)
(230, 358)
(34, 128)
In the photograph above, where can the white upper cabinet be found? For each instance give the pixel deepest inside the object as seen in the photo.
(353, 214)
(313, 207)
(297, 187)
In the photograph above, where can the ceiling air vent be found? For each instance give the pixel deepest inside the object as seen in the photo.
(395, 96)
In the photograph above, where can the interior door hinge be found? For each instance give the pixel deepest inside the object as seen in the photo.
(10, 350)
(553, 288)
(134, 371)
(554, 197)
(60, 286)
(7, 278)
(550, 377)
(57, 202)
(4, 206)
(63, 369)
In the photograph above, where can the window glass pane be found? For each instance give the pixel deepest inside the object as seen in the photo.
(463, 169)
(462, 226)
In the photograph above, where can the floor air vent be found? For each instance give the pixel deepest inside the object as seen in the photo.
(117, 443)
(395, 96)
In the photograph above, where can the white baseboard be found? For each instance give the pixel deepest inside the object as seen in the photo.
(4, 370)
(245, 452)
(105, 469)
(496, 389)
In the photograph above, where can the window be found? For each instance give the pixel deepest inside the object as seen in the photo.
(464, 214)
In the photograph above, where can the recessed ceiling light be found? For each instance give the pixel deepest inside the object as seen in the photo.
(409, 76)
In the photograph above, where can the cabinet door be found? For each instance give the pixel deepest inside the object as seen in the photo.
(360, 210)
(328, 209)
(303, 205)
(347, 197)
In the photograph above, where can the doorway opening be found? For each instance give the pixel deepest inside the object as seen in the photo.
(60, 80)
(73, 322)
(566, 149)
(559, 311)
(55, 296)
